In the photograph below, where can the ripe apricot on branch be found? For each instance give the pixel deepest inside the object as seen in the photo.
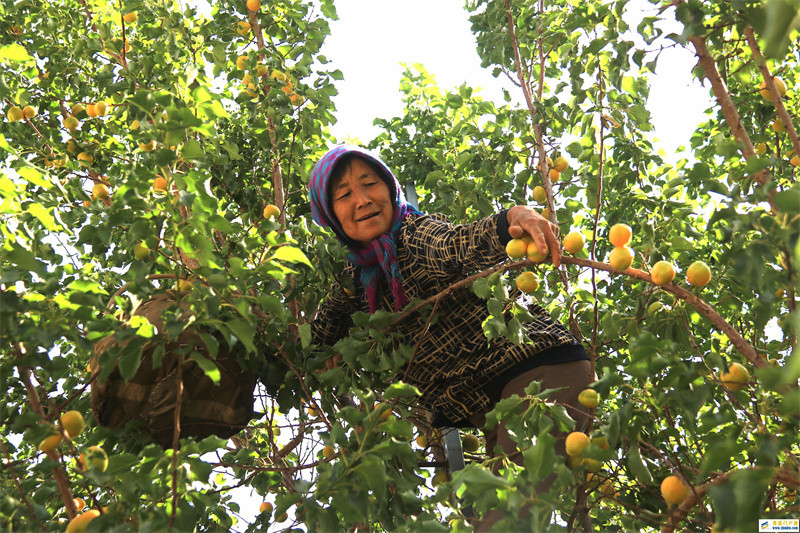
(159, 184)
(28, 112)
(80, 522)
(591, 465)
(50, 443)
(539, 194)
(589, 398)
(735, 378)
(243, 28)
(573, 243)
(71, 123)
(131, 17)
(764, 91)
(662, 273)
(14, 114)
(328, 452)
(620, 234)
(98, 459)
(698, 274)
(516, 249)
(576, 442)
(141, 251)
(253, 5)
(673, 490)
(560, 164)
(99, 192)
(271, 211)
(535, 255)
(621, 258)
(527, 282)
(101, 108)
(73, 423)
(265, 507)
(384, 409)
(86, 158)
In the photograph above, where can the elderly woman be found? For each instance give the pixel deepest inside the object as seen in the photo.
(398, 254)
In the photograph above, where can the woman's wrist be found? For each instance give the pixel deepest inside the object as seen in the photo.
(502, 227)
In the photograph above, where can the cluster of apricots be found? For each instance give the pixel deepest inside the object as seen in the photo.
(95, 458)
(620, 258)
(577, 442)
(777, 125)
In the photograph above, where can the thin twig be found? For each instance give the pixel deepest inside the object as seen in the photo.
(176, 437)
(22, 494)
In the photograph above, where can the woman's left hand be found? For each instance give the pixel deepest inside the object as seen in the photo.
(526, 220)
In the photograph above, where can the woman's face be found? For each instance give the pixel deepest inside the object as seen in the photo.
(362, 203)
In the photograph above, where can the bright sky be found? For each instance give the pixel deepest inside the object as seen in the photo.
(373, 37)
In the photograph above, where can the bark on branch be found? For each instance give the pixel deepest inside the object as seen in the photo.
(703, 308)
(769, 82)
(729, 110)
(59, 475)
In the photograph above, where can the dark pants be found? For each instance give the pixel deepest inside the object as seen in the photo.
(575, 376)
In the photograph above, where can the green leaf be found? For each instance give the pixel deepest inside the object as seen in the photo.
(244, 332)
(207, 365)
(638, 466)
(400, 390)
(788, 201)
(131, 358)
(211, 344)
(6, 146)
(34, 176)
(192, 150)
(43, 215)
(14, 53)
(292, 254)
(480, 480)
(782, 18)
(24, 259)
(305, 334)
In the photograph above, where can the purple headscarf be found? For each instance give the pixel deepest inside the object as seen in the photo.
(381, 253)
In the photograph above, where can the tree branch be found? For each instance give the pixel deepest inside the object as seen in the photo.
(706, 310)
(19, 486)
(777, 99)
(729, 111)
(59, 474)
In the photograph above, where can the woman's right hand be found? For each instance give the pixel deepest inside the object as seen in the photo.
(524, 220)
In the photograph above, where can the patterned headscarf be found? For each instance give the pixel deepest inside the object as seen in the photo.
(381, 254)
